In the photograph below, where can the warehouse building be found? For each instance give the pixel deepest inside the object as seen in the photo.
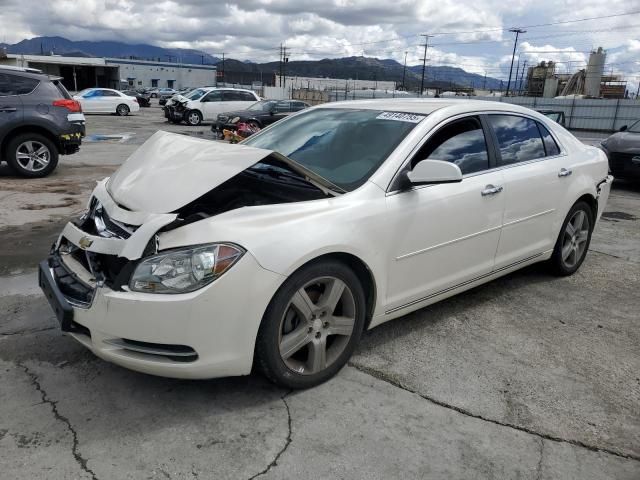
(79, 73)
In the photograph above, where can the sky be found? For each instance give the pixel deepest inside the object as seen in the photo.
(470, 34)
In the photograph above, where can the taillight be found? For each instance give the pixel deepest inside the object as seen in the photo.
(71, 105)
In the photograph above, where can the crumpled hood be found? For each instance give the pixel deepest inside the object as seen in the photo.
(623, 142)
(170, 170)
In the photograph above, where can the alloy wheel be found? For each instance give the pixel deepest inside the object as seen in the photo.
(33, 156)
(317, 325)
(193, 118)
(574, 240)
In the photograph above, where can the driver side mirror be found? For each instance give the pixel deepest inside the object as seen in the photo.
(429, 172)
(623, 128)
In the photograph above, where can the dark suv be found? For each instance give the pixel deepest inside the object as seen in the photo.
(38, 121)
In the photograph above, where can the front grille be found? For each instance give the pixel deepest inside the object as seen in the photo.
(74, 290)
(98, 222)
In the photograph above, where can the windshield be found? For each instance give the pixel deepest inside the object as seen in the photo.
(344, 146)
(634, 128)
(195, 94)
(262, 106)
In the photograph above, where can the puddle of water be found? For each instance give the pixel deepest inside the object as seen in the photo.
(619, 216)
(23, 284)
(114, 137)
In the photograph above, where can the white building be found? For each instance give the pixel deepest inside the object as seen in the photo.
(319, 83)
(85, 72)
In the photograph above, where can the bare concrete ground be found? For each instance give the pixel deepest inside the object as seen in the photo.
(529, 377)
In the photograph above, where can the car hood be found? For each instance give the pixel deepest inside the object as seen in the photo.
(623, 142)
(170, 170)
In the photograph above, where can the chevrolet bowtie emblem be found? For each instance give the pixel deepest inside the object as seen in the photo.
(85, 242)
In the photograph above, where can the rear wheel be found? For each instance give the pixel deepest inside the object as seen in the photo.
(32, 155)
(122, 110)
(573, 240)
(312, 325)
(193, 118)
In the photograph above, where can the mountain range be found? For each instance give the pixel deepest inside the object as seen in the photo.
(443, 77)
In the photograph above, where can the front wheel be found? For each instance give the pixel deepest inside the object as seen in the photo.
(573, 240)
(193, 118)
(122, 110)
(312, 325)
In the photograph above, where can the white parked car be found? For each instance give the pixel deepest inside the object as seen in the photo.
(106, 100)
(197, 256)
(204, 104)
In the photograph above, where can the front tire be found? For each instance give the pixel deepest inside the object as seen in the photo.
(32, 155)
(311, 326)
(193, 118)
(573, 241)
(122, 110)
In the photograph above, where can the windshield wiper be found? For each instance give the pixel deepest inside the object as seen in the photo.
(312, 177)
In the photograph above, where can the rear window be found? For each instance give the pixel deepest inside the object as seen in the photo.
(23, 85)
(63, 91)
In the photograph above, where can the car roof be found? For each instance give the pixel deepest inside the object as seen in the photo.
(28, 72)
(426, 106)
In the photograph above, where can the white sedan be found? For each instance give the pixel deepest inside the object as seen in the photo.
(106, 100)
(197, 256)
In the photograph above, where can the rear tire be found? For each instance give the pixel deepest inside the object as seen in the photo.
(311, 326)
(573, 240)
(32, 155)
(193, 118)
(122, 110)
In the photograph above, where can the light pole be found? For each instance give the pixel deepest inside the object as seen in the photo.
(404, 71)
(517, 31)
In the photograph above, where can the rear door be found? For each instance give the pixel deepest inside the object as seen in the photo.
(532, 166)
(111, 100)
(11, 113)
(235, 100)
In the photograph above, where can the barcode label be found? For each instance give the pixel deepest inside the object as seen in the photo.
(401, 117)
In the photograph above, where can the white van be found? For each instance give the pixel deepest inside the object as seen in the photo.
(204, 104)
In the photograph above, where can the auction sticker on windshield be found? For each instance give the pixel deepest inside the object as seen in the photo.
(401, 117)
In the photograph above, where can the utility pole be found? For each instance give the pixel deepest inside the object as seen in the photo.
(515, 82)
(524, 67)
(424, 61)
(404, 71)
(484, 82)
(638, 91)
(280, 65)
(285, 59)
(223, 68)
(517, 31)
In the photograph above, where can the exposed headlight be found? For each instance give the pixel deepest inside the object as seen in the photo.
(185, 269)
(235, 120)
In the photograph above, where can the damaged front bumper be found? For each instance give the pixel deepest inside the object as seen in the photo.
(174, 112)
(202, 334)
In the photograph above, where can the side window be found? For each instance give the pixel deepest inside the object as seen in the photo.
(93, 94)
(247, 97)
(23, 85)
(297, 106)
(283, 107)
(233, 96)
(6, 87)
(550, 145)
(109, 93)
(461, 142)
(215, 96)
(518, 138)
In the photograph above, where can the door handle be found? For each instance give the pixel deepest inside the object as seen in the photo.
(8, 109)
(564, 172)
(491, 190)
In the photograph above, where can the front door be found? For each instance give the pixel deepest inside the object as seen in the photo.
(446, 234)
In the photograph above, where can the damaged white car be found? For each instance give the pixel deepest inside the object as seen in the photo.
(196, 257)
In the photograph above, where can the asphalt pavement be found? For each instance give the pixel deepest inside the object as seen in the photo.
(530, 376)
